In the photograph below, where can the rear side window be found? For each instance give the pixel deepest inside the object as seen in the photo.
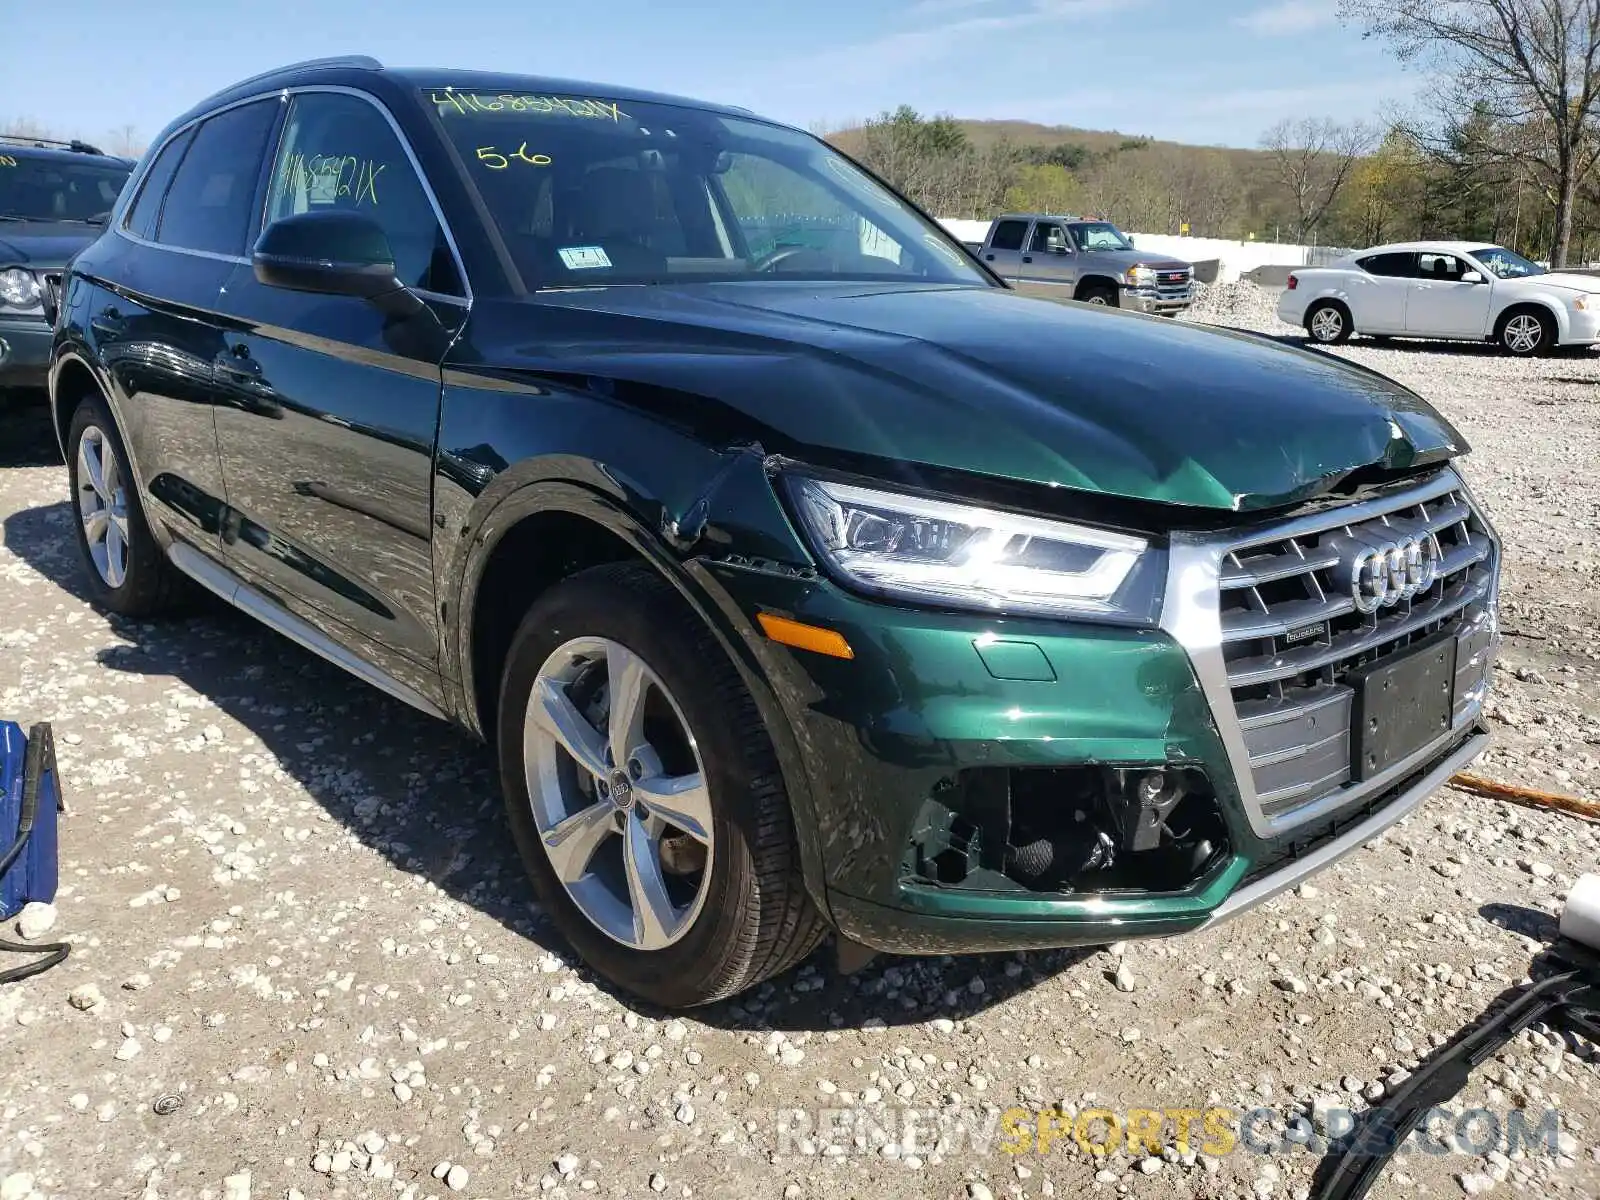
(142, 216)
(1392, 265)
(1008, 235)
(208, 205)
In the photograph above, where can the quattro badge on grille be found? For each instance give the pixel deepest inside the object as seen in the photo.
(1382, 574)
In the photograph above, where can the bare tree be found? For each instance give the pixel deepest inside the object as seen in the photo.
(126, 141)
(1528, 71)
(1310, 160)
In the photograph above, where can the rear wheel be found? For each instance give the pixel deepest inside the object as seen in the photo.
(1526, 332)
(128, 573)
(644, 795)
(1328, 323)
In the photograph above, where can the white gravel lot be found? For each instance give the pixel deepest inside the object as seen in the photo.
(294, 910)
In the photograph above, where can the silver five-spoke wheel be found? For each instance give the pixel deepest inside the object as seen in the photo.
(618, 792)
(1523, 333)
(1327, 324)
(103, 506)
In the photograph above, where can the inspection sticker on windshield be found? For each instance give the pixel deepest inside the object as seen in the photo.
(584, 258)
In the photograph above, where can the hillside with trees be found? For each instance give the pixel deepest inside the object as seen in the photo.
(1503, 146)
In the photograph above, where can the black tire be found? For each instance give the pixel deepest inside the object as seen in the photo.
(757, 919)
(1328, 323)
(1100, 293)
(150, 585)
(1517, 336)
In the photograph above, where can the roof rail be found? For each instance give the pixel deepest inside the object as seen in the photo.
(44, 143)
(364, 61)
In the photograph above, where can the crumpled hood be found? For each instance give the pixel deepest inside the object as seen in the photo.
(42, 244)
(986, 381)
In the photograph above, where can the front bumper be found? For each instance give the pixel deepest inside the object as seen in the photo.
(24, 351)
(1583, 327)
(1156, 300)
(931, 699)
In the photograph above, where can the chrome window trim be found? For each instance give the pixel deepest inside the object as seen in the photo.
(1191, 616)
(284, 96)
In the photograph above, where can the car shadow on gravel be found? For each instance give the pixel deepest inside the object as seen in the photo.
(426, 797)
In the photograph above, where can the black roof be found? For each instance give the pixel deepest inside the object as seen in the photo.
(48, 148)
(356, 65)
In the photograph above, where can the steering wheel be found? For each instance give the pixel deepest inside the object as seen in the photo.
(770, 260)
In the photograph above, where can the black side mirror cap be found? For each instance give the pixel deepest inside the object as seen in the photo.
(332, 252)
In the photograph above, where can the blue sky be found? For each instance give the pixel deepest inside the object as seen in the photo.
(1207, 71)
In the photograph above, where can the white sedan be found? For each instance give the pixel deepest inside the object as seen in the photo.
(1464, 290)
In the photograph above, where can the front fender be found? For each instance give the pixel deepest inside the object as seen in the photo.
(529, 459)
(1553, 305)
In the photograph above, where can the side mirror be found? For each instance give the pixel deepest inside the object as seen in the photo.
(1472, 277)
(334, 253)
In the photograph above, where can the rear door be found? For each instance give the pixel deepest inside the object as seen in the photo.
(1004, 251)
(154, 320)
(1378, 291)
(1441, 303)
(332, 406)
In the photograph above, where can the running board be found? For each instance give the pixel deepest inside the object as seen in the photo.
(218, 579)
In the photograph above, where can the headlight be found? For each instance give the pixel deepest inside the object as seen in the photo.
(1140, 276)
(19, 288)
(951, 554)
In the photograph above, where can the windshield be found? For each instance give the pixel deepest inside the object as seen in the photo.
(1099, 235)
(1507, 264)
(55, 189)
(588, 191)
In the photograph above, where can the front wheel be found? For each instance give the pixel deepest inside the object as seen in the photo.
(644, 794)
(1525, 333)
(1101, 294)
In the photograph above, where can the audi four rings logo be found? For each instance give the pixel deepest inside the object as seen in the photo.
(1383, 575)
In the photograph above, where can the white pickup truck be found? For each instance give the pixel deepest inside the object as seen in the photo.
(1093, 258)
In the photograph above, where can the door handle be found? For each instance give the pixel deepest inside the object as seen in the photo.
(988, 258)
(1027, 258)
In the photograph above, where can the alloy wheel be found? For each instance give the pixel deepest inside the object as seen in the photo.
(619, 793)
(103, 506)
(1327, 324)
(1523, 333)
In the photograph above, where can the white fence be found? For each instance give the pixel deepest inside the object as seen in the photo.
(1233, 258)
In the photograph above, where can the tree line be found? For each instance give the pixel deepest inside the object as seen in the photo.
(1502, 146)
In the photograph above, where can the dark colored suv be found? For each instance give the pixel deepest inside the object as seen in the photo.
(54, 200)
(803, 574)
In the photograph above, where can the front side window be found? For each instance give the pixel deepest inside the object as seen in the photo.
(1099, 235)
(1047, 236)
(56, 188)
(339, 153)
(1507, 264)
(1446, 268)
(208, 206)
(586, 191)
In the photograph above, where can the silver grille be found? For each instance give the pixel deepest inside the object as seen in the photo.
(1277, 653)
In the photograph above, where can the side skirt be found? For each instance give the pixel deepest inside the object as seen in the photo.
(216, 578)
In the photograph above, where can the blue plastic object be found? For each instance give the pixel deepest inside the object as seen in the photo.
(30, 798)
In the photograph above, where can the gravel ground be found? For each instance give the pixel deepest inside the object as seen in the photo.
(306, 963)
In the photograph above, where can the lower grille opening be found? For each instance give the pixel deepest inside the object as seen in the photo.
(1095, 831)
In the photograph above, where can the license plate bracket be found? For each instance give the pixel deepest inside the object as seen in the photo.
(1403, 702)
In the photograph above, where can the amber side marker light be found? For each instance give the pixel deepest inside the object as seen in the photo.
(805, 637)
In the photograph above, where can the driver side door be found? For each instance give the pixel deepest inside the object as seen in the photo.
(328, 406)
(1442, 303)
